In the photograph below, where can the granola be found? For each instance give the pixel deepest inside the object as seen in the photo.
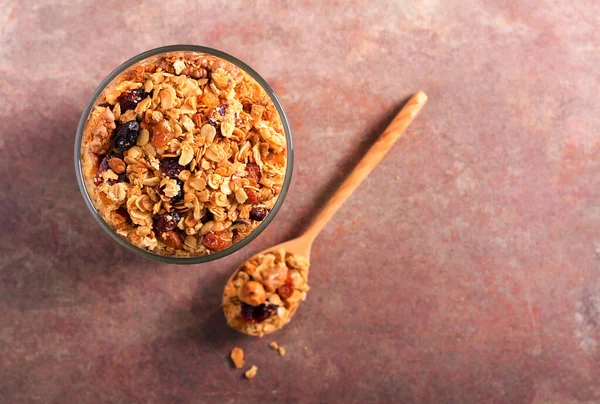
(237, 357)
(184, 154)
(251, 373)
(265, 293)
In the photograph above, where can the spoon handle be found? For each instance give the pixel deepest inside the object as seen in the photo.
(386, 140)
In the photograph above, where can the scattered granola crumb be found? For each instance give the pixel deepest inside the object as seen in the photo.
(397, 177)
(306, 348)
(237, 356)
(251, 373)
(273, 345)
(281, 351)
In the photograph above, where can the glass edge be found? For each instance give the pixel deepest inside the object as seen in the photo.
(203, 258)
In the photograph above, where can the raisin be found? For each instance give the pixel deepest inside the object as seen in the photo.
(216, 241)
(172, 239)
(253, 196)
(258, 314)
(253, 171)
(209, 99)
(258, 214)
(166, 222)
(131, 99)
(170, 167)
(126, 135)
(287, 290)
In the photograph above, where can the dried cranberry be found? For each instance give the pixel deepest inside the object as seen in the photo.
(101, 168)
(253, 171)
(170, 167)
(126, 135)
(166, 222)
(131, 99)
(258, 314)
(258, 214)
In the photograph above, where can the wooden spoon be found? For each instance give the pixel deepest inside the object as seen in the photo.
(302, 245)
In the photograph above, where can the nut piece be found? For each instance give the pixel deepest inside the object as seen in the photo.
(179, 65)
(251, 373)
(171, 188)
(208, 132)
(237, 356)
(117, 165)
(253, 293)
(273, 345)
(273, 277)
(281, 351)
(143, 138)
(187, 154)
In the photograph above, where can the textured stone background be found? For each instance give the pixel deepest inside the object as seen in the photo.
(465, 269)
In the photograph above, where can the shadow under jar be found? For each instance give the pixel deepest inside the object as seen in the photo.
(183, 154)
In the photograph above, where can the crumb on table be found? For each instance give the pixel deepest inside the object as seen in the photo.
(251, 373)
(237, 356)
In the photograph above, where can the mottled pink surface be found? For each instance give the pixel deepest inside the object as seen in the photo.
(464, 270)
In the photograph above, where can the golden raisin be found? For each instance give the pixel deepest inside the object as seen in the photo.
(209, 99)
(161, 136)
(286, 290)
(253, 196)
(172, 239)
(217, 241)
